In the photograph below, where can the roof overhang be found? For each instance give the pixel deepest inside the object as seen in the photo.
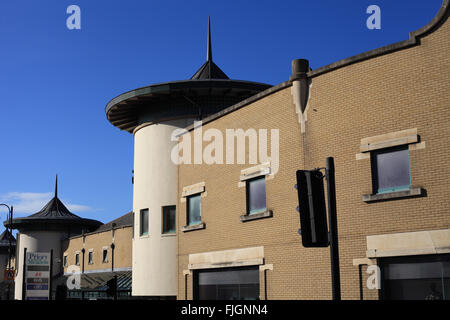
(123, 111)
(55, 223)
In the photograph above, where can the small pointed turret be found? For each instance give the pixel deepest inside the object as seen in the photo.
(209, 70)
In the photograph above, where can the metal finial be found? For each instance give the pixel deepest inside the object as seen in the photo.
(209, 49)
(56, 186)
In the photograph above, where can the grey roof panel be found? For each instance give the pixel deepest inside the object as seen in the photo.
(4, 239)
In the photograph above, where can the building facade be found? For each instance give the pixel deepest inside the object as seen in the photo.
(99, 256)
(383, 116)
(44, 231)
(152, 114)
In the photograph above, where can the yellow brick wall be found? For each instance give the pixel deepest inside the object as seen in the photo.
(96, 241)
(401, 90)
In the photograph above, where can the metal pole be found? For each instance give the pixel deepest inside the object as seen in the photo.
(51, 276)
(23, 273)
(361, 296)
(333, 232)
(10, 249)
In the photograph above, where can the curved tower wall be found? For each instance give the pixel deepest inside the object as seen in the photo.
(38, 241)
(155, 186)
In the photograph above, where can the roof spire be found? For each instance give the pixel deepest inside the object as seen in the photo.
(209, 49)
(56, 186)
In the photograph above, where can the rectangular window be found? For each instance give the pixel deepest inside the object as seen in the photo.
(144, 222)
(256, 195)
(227, 284)
(105, 256)
(194, 210)
(416, 277)
(169, 219)
(90, 257)
(65, 261)
(390, 169)
(77, 259)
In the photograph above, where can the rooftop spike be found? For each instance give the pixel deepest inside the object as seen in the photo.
(56, 186)
(209, 49)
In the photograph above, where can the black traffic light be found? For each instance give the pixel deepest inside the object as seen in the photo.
(111, 287)
(313, 215)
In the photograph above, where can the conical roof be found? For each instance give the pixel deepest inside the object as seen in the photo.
(209, 70)
(53, 214)
(54, 209)
(207, 92)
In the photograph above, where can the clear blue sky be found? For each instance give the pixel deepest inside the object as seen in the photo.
(55, 82)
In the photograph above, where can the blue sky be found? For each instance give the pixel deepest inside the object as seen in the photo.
(55, 82)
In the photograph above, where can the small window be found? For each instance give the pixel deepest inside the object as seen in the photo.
(256, 195)
(144, 222)
(91, 257)
(194, 210)
(105, 256)
(391, 170)
(169, 219)
(77, 259)
(65, 261)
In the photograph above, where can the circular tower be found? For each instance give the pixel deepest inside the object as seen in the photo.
(152, 113)
(43, 232)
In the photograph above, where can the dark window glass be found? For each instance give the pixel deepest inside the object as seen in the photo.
(65, 261)
(194, 207)
(416, 278)
(105, 255)
(90, 257)
(77, 259)
(144, 222)
(169, 217)
(227, 284)
(256, 195)
(390, 168)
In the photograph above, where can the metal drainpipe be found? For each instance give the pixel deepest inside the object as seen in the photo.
(112, 247)
(82, 260)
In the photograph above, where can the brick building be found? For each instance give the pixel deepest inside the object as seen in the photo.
(383, 115)
(99, 256)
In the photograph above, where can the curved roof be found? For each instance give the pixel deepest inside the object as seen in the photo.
(53, 214)
(164, 98)
(208, 91)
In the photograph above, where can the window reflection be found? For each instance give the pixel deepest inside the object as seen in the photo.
(417, 278)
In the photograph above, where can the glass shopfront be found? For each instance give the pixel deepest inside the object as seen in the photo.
(416, 277)
(227, 284)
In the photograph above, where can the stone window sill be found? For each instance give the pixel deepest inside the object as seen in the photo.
(413, 192)
(194, 227)
(169, 234)
(257, 216)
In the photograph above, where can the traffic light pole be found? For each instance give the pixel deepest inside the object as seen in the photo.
(333, 232)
